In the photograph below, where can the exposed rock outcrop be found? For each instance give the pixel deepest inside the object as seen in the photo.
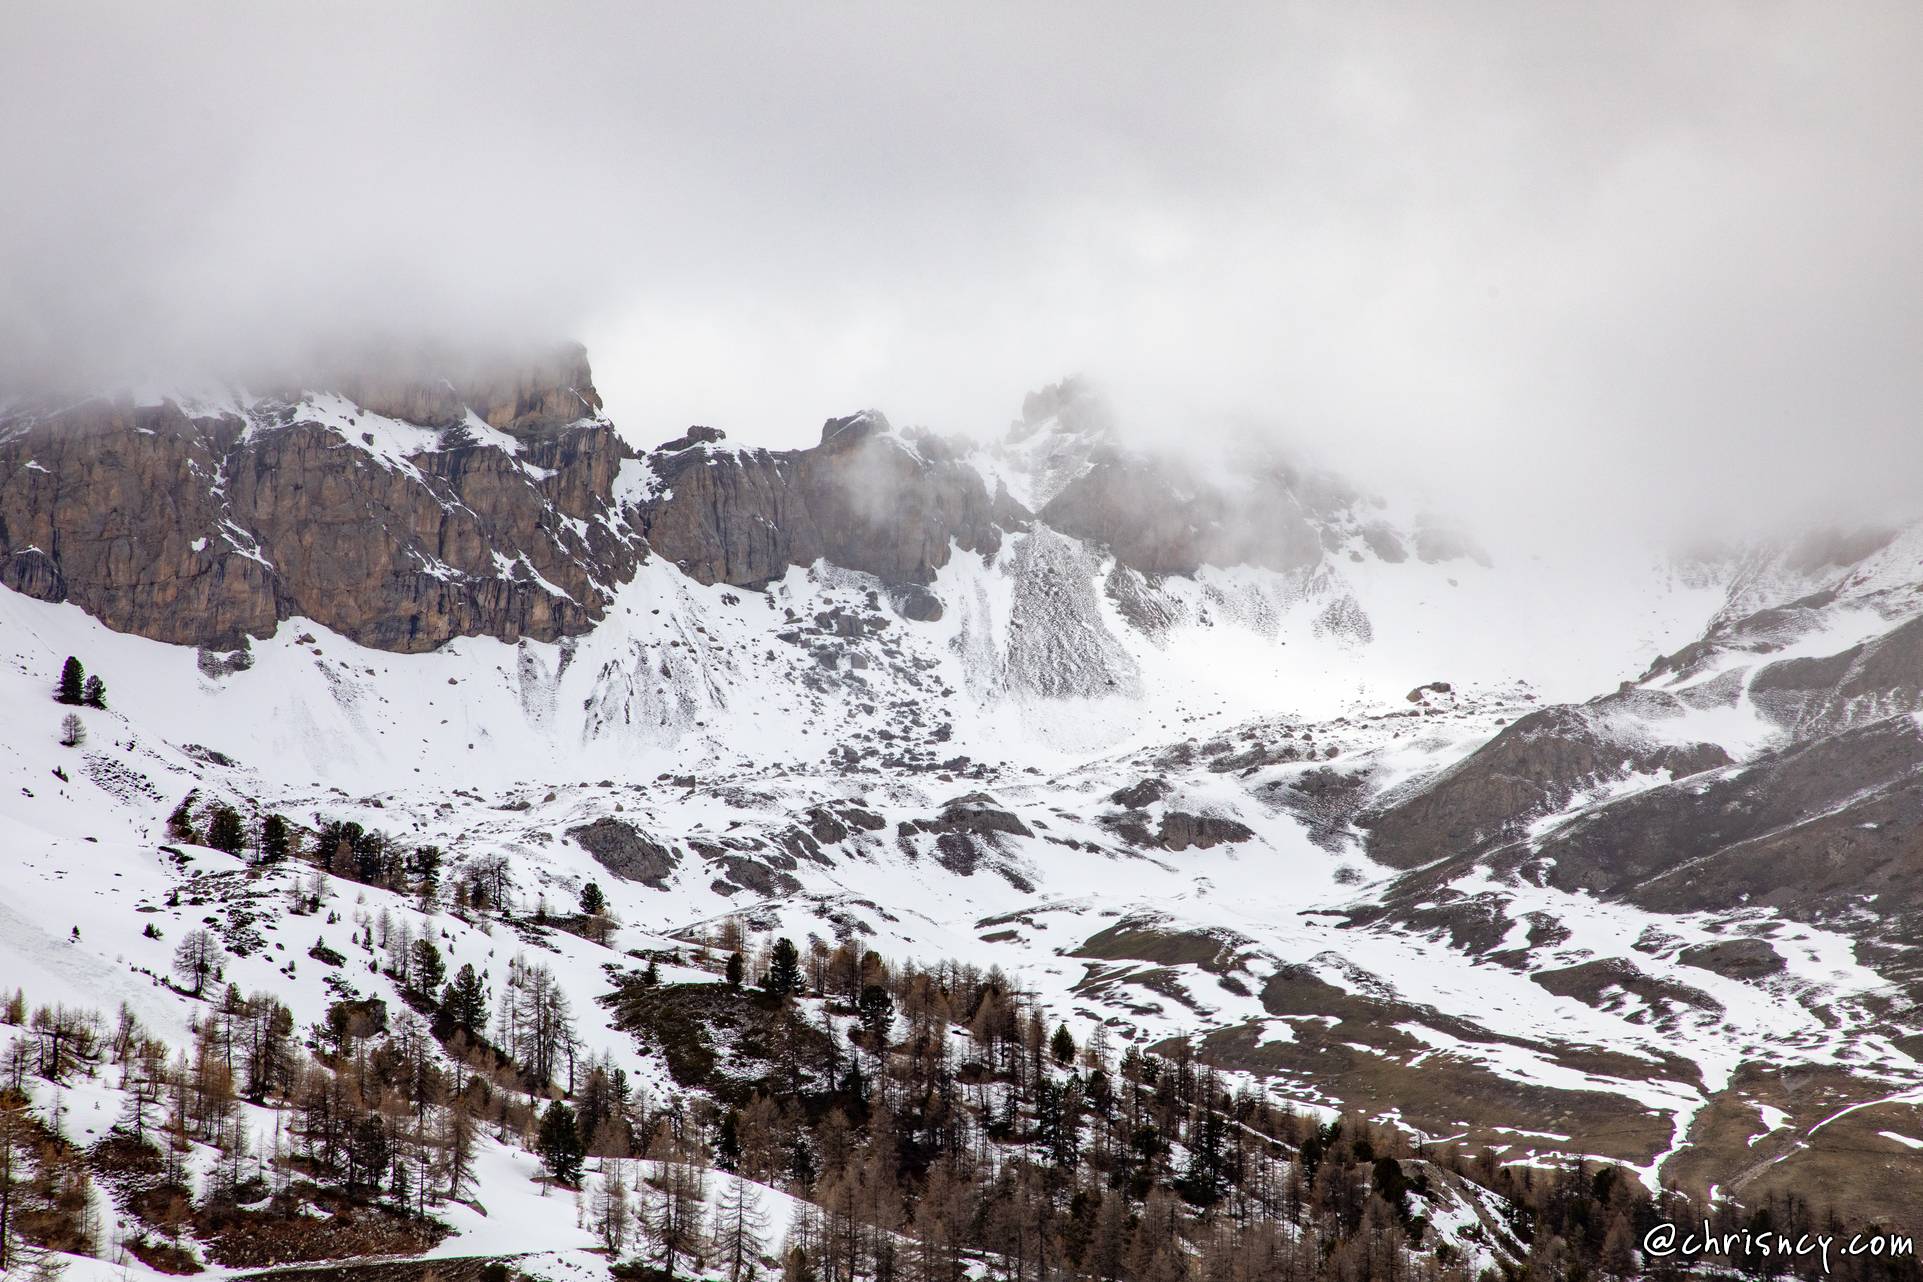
(626, 851)
(865, 498)
(1879, 678)
(1735, 958)
(1536, 766)
(207, 528)
(1159, 521)
(977, 814)
(1145, 792)
(421, 497)
(1180, 830)
(1816, 830)
(515, 393)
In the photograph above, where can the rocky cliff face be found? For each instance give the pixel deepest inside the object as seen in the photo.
(517, 394)
(419, 498)
(865, 498)
(114, 508)
(210, 524)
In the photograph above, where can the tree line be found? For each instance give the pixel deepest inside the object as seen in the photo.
(934, 1122)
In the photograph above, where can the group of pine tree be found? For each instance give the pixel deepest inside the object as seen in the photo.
(76, 689)
(932, 1123)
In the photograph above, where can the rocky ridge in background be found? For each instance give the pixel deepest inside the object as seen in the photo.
(865, 498)
(420, 498)
(205, 525)
(1614, 928)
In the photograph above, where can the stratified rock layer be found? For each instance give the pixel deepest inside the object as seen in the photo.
(207, 530)
(421, 497)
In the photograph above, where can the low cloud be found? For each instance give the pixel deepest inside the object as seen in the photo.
(1640, 265)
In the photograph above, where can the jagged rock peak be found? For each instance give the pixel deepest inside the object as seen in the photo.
(845, 432)
(696, 435)
(1072, 406)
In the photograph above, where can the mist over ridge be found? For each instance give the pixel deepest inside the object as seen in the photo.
(1642, 269)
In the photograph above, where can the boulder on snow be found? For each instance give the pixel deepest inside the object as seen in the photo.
(1140, 794)
(626, 851)
(758, 877)
(979, 814)
(1735, 958)
(915, 603)
(1180, 830)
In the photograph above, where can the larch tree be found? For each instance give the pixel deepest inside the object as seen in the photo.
(739, 1230)
(195, 959)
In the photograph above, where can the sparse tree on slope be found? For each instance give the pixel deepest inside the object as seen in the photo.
(73, 682)
(224, 830)
(15, 1138)
(541, 1023)
(738, 1231)
(560, 1144)
(784, 969)
(674, 1218)
(180, 824)
(464, 1001)
(276, 843)
(428, 970)
(613, 1215)
(460, 1144)
(194, 961)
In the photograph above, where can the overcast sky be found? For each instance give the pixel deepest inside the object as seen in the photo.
(1668, 254)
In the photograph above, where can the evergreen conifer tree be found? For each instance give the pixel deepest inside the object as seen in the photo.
(1062, 1046)
(73, 678)
(784, 969)
(180, 824)
(464, 1001)
(428, 970)
(560, 1144)
(224, 831)
(276, 843)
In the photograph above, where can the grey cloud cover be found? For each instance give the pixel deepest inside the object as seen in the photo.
(1654, 259)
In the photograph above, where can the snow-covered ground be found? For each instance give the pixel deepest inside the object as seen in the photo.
(690, 715)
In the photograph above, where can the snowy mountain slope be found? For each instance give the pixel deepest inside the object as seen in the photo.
(704, 742)
(1175, 805)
